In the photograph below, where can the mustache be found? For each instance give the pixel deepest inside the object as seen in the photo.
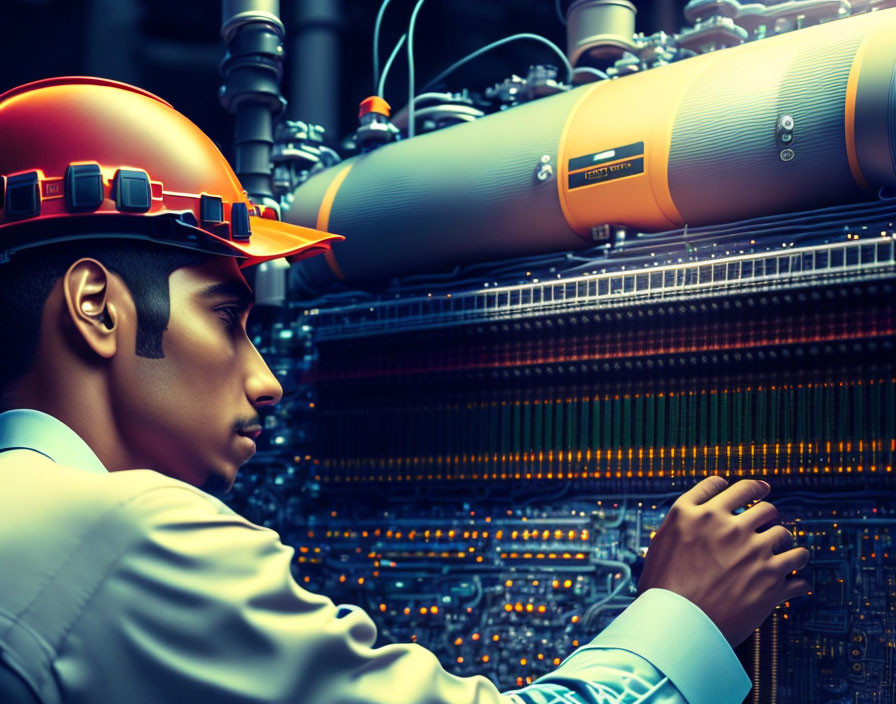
(244, 423)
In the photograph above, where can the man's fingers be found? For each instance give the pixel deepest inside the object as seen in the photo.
(787, 562)
(704, 490)
(741, 493)
(761, 514)
(779, 538)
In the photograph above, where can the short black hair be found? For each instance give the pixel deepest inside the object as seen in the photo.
(27, 279)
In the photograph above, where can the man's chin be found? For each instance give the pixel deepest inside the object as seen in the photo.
(217, 484)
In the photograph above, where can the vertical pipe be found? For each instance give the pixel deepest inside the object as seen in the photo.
(315, 64)
(252, 70)
(111, 46)
(665, 15)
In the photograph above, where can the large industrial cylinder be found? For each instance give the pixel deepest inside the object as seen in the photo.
(797, 121)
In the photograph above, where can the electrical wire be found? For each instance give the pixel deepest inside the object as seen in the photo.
(624, 581)
(588, 69)
(617, 604)
(376, 43)
(620, 519)
(411, 25)
(463, 113)
(559, 10)
(380, 89)
(480, 592)
(438, 97)
(513, 37)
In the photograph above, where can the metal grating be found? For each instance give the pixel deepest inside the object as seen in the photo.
(768, 270)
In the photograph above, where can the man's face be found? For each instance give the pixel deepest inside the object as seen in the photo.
(193, 413)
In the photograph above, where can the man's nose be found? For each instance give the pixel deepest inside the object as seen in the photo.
(262, 387)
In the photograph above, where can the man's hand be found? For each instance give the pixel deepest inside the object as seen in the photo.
(726, 564)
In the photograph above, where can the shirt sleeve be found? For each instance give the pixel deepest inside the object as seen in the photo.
(202, 607)
(662, 649)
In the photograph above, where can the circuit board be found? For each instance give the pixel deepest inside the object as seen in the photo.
(481, 468)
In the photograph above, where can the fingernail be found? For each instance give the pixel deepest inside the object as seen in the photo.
(767, 485)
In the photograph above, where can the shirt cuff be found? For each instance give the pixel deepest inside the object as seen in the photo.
(681, 641)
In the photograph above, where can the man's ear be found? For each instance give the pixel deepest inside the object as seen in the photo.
(90, 307)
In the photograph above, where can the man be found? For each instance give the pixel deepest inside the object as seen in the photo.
(129, 381)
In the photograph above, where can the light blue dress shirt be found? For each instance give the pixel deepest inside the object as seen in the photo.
(26, 429)
(661, 650)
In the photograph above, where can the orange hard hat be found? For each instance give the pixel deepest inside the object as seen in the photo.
(99, 158)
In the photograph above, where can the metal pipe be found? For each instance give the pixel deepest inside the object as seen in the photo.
(252, 69)
(315, 64)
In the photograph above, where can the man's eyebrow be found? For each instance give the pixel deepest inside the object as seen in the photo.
(235, 289)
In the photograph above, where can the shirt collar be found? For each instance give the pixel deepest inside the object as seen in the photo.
(27, 429)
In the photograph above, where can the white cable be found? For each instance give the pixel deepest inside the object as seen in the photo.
(559, 10)
(595, 71)
(514, 37)
(382, 84)
(411, 25)
(376, 42)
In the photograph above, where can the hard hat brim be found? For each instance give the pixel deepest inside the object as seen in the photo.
(270, 239)
(273, 239)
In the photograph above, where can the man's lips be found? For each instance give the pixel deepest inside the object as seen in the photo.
(252, 431)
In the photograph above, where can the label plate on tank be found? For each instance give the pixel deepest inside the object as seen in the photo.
(607, 172)
(606, 156)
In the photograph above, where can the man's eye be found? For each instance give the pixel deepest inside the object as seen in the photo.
(230, 315)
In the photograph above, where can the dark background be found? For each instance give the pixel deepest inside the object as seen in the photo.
(173, 48)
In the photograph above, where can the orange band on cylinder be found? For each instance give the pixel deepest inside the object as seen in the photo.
(323, 217)
(592, 131)
(563, 156)
(852, 88)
